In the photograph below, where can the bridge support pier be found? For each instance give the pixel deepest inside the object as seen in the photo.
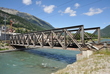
(84, 54)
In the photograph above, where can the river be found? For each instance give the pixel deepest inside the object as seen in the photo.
(36, 61)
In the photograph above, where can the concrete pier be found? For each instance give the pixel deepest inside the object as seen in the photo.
(84, 54)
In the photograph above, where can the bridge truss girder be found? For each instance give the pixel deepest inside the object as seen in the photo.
(61, 36)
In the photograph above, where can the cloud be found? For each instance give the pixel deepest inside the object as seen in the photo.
(76, 5)
(27, 2)
(38, 2)
(93, 11)
(105, 7)
(60, 12)
(69, 11)
(48, 9)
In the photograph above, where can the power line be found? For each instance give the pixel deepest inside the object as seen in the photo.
(20, 7)
(23, 7)
(90, 3)
(26, 7)
(59, 5)
(65, 3)
(79, 7)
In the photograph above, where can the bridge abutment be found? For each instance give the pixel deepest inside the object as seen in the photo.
(84, 54)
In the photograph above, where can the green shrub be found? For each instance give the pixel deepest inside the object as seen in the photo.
(4, 49)
(2, 45)
(6, 44)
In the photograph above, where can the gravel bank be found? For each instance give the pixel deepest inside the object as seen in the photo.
(96, 64)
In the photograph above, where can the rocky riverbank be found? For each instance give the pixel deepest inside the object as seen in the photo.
(98, 63)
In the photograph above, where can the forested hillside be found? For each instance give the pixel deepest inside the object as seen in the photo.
(32, 19)
(106, 31)
(19, 24)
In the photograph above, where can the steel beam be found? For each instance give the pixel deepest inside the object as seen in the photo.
(56, 36)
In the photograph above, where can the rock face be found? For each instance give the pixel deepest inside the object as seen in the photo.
(10, 11)
(29, 18)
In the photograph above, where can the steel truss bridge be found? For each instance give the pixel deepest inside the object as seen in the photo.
(64, 37)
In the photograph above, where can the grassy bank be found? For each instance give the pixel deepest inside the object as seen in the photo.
(98, 63)
(4, 46)
(4, 49)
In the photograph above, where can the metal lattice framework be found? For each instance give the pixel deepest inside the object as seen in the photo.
(64, 37)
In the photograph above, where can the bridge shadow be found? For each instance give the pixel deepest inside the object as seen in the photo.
(73, 45)
(55, 56)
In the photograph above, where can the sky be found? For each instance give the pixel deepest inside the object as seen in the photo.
(65, 13)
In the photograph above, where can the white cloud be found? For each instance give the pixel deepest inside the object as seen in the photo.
(105, 7)
(76, 5)
(38, 2)
(49, 9)
(60, 12)
(27, 2)
(93, 11)
(69, 11)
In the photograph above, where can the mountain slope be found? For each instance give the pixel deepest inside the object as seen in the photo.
(18, 22)
(29, 18)
(106, 31)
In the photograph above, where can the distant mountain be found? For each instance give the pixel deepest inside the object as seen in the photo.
(29, 18)
(20, 25)
(106, 31)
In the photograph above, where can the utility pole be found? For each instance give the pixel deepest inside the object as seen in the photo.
(5, 28)
(11, 30)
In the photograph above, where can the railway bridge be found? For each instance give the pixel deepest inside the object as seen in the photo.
(64, 37)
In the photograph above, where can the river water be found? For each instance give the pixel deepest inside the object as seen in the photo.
(103, 40)
(36, 61)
